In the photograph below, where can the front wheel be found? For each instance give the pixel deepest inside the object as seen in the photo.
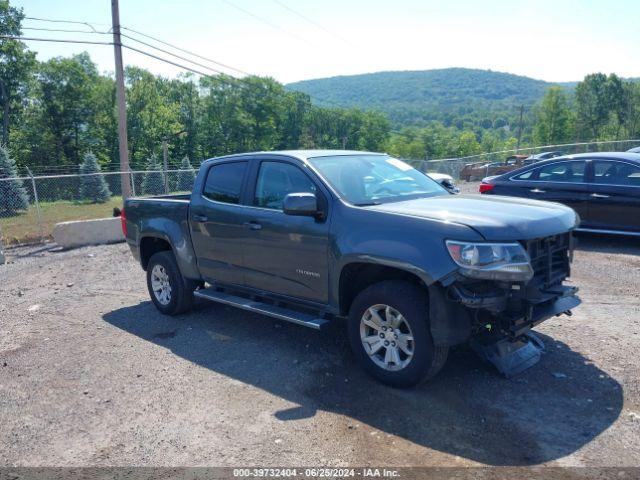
(389, 334)
(170, 292)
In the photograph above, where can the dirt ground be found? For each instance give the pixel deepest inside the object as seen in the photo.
(92, 375)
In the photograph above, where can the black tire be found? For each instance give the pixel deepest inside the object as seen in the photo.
(181, 294)
(412, 302)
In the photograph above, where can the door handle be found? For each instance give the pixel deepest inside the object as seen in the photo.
(537, 190)
(200, 218)
(253, 225)
(599, 195)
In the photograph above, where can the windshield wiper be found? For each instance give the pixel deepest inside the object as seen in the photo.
(367, 204)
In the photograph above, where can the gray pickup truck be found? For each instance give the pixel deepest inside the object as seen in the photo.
(316, 236)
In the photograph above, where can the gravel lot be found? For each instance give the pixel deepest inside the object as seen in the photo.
(92, 374)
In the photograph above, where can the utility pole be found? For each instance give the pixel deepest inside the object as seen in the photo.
(122, 106)
(3, 259)
(165, 159)
(5, 114)
(520, 129)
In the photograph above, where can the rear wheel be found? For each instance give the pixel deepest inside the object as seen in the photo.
(389, 334)
(170, 292)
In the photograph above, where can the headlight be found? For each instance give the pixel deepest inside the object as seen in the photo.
(491, 261)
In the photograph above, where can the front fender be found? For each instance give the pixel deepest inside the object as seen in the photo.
(415, 245)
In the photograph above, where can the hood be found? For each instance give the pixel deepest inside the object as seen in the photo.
(496, 218)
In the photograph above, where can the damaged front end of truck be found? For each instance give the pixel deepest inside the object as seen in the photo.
(498, 293)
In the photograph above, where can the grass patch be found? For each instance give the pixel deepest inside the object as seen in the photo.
(25, 228)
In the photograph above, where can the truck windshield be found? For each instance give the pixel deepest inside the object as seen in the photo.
(373, 179)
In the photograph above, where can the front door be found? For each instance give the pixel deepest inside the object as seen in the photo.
(562, 182)
(285, 254)
(216, 223)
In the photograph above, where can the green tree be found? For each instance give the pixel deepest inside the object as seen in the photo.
(597, 98)
(66, 86)
(186, 176)
(468, 144)
(374, 131)
(13, 196)
(16, 63)
(553, 118)
(153, 181)
(632, 127)
(152, 113)
(93, 186)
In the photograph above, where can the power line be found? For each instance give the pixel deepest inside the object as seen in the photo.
(229, 80)
(267, 22)
(166, 61)
(135, 40)
(64, 30)
(60, 40)
(169, 53)
(183, 50)
(311, 21)
(95, 31)
(137, 32)
(51, 20)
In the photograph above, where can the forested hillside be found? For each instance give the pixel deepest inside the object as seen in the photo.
(453, 96)
(56, 111)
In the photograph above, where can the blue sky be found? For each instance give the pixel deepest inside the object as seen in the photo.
(559, 40)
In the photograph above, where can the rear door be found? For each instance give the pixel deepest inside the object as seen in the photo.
(217, 224)
(614, 199)
(285, 254)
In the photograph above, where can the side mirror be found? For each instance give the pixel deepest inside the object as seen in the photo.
(300, 205)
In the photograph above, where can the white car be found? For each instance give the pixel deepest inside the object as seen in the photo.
(445, 180)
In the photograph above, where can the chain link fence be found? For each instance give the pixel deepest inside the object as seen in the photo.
(485, 162)
(31, 206)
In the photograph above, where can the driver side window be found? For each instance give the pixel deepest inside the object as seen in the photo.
(276, 180)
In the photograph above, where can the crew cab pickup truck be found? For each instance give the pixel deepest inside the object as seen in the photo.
(317, 236)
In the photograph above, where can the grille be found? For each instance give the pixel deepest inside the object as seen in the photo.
(549, 259)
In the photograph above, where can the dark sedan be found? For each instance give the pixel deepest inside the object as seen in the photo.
(604, 188)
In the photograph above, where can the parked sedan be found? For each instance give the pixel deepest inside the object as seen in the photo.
(634, 150)
(604, 188)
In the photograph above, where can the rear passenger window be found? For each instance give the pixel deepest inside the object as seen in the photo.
(224, 182)
(616, 173)
(565, 172)
(524, 176)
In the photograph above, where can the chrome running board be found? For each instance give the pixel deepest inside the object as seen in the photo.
(274, 311)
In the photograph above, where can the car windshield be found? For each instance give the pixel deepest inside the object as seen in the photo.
(373, 179)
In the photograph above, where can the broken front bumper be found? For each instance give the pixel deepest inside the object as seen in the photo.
(458, 313)
(564, 301)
